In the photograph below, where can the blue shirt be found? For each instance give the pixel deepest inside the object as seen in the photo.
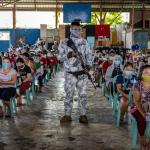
(126, 83)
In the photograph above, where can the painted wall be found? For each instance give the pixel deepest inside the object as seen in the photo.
(30, 35)
(4, 45)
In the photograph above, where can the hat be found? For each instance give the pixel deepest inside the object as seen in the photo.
(76, 22)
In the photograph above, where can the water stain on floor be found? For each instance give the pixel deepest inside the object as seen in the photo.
(38, 127)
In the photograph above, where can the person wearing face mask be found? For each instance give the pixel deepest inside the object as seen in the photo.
(124, 84)
(39, 71)
(75, 76)
(43, 60)
(96, 67)
(55, 47)
(24, 78)
(8, 77)
(29, 62)
(113, 70)
(53, 62)
(141, 104)
(107, 62)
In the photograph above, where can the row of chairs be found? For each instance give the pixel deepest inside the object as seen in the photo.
(31, 92)
(113, 100)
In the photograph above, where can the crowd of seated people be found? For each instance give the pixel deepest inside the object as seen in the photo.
(19, 69)
(131, 71)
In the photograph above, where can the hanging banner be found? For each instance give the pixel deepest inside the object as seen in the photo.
(102, 31)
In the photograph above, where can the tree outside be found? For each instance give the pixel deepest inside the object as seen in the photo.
(112, 18)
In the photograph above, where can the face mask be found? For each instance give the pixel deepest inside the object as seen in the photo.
(107, 57)
(37, 60)
(75, 33)
(25, 58)
(146, 77)
(128, 74)
(104, 59)
(117, 62)
(5, 65)
(111, 58)
(48, 54)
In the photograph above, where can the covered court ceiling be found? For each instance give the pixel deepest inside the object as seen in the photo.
(97, 5)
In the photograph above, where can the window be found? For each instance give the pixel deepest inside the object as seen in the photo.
(6, 19)
(33, 19)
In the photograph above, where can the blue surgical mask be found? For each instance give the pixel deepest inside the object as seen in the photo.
(128, 74)
(117, 62)
(5, 65)
(76, 33)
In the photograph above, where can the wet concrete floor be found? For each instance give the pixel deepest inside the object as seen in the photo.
(38, 128)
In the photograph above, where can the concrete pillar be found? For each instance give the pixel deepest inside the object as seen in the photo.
(133, 22)
(143, 16)
(14, 22)
(101, 12)
(14, 15)
(56, 15)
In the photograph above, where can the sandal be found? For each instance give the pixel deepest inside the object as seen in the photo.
(143, 142)
(1, 115)
(148, 144)
(121, 121)
(8, 115)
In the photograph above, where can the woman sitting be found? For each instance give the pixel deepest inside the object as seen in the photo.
(29, 62)
(24, 78)
(8, 77)
(112, 71)
(39, 72)
(141, 94)
(124, 83)
(108, 62)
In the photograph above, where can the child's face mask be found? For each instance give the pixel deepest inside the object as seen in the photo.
(146, 75)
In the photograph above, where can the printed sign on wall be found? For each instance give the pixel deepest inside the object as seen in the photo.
(4, 36)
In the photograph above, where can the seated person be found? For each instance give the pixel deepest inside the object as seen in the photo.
(43, 61)
(29, 62)
(39, 72)
(8, 77)
(24, 78)
(113, 70)
(107, 63)
(141, 108)
(124, 83)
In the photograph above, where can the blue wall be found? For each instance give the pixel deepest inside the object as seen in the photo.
(30, 35)
(4, 45)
